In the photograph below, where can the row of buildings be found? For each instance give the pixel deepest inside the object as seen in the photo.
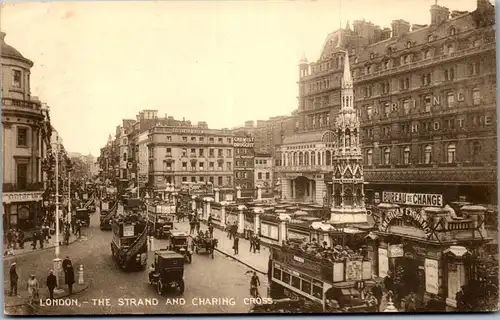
(424, 95)
(28, 142)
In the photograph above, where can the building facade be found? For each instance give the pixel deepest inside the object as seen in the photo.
(426, 99)
(24, 142)
(263, 175)
(196, 154)
(244, 157)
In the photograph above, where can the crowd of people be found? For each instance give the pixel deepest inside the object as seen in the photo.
(323, 251)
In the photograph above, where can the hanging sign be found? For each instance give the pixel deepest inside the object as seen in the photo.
(396, 251)
(414, 199)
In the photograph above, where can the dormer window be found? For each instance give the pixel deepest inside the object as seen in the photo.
(372, 55)
(430, 38)
(389, 50)
(453, 31)
(427, 54)
(356, 60)
(408, 44)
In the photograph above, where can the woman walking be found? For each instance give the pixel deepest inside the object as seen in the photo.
(33, 288)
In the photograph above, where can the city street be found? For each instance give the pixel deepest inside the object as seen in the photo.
(221, 277)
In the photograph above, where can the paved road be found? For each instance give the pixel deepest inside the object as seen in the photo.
(205, 278)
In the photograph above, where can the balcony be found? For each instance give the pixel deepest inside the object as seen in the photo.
(12, 187)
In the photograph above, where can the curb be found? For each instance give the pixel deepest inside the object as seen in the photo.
(9, 257)
(234, 258)
(34, 307)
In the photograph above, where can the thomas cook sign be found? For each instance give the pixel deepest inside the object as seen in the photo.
(408, 213)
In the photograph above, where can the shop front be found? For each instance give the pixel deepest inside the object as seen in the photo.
(21, 210)
(414, 233)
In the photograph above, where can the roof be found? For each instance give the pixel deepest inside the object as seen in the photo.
(304, 137)
(167, 254)
(8, 51)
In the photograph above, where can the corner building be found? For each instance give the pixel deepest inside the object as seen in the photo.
(189, 154)
(426, 97)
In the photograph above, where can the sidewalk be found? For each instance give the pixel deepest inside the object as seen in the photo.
(23, 296)
(29, 249)
(256, 261)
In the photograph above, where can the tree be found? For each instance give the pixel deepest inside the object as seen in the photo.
(483, 288)
(80, 170)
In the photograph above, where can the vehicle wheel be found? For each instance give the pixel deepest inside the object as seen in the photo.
(181, 287)
(159, 287)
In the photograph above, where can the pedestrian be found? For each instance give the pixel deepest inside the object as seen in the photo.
(70, 278)
(15, 239)
(211, 230)
(236, 244)
(13, 279)
(61, 225)
(51, 283)
(45, 230)
(35, 239)
(40, 238)
(209, 221)
(389, 282)
(256, 245)
(251, 244)
(197, 225)
(377, 292)
(10, 238)
(33, 288)
(228, 230)
(21, 239)
(460, 297)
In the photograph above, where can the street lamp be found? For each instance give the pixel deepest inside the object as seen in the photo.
(57, 261)
(146, 201)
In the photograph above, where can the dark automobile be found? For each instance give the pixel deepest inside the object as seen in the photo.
(167, 272)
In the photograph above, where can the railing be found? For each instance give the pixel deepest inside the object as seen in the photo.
(309, 168)
(25, 104)
(459, 225)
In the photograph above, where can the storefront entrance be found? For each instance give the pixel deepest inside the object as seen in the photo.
(411, 276)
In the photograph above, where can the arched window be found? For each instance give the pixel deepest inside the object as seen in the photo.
(348, 197)
(328, 159)
(313, 158)
(301, 159)
(386, 156)
(476, 151)
(295, 158)
(430, 38)
(347, 138)
(451, 153)
(453, 31)
(428, 154)
(427, 54)
(306, 158)
(406, 155)
(124, 156)
(476, 96)
(369, 157)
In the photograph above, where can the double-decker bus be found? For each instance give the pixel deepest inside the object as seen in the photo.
(333, 286)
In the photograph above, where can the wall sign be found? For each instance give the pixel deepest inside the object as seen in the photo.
(354, 270)
(431, 276)
(414, 199)
(396, 250)
(409, 213)
(9, 197)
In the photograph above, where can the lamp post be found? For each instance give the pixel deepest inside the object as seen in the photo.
(57, 261)
(146, 200)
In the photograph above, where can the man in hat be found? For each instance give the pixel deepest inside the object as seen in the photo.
(377, 293)
(51, 283)
(13, 279)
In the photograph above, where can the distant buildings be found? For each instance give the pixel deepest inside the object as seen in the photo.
(263, 173)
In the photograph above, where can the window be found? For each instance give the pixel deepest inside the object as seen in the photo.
(477, 43)
(427, 54)
(201, 165)
(193, 151)
(386, 88)
(406, 155)
(228, 166)
(473, 69)
(169, 138)
(453, 31)
(184, 166)
(124, 156)
(451, 153)
(201, 139)
(184, 139)
(369, 111)
(259, 175)
(368, 91)
(430, 38)
(228, 153)
(184, 152)
(229, 181)
(476, 96)
(202, 179)
(193, 139)
(268, 175)
(219, 153)
(476, 151)
(428, 103)
(449, 74)
(426, 79)
(22, 137)
(219, 181)
(245, 175)
(406, 106)
(211, 165)
(211, 140)
(387, 109)
(369, 157)
(211, 152)
(16, 78)
(169, 151)
(428, 154)
(296, 282)
(408, 44)
(228, 140)
(449, 49)
(386, 65)
(193, 179)
(386, 156)
(450, 98)
(202, 152)
(22, 175)
(237, 174)
(184, 179)
(404, 84)
(220, 140)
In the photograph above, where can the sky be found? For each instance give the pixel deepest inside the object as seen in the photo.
(223, 62)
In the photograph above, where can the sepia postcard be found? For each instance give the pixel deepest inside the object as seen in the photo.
(236, 157)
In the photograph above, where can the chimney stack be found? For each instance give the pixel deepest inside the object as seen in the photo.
(400, 27)
(439, 14)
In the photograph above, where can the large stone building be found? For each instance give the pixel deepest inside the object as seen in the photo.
(188, 153)
(26, 134)
(263, 175)
(244, 155)
(426, 98)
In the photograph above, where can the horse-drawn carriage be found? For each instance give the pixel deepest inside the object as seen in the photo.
(205, 244)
